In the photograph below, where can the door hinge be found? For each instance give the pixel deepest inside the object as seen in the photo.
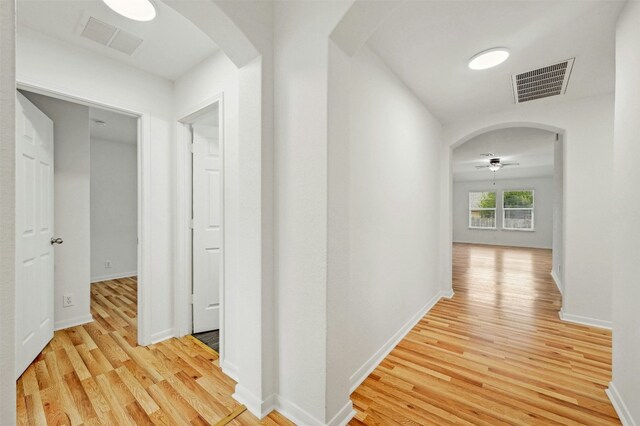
(192, 299)
(191, 224)
(191, 147)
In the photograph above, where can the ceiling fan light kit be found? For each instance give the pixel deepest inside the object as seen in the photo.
(494, 165)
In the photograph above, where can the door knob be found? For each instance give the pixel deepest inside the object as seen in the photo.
(56, 241)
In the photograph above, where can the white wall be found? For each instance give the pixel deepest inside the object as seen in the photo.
(42, 61)
(71, 207)
(588, 160)
(558, 212)
(301, 65)
(625, 387)
(394, 222)
(541, 237)
(114, 209)
(7, 213)
(214, 76)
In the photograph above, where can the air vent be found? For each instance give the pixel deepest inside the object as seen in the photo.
(541, 83)
(108, 35)
(98, 31)
(125, 42)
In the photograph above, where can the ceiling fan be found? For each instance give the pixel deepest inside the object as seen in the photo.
(495, 164)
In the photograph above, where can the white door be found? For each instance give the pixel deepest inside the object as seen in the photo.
(207, 227)
(34, 232)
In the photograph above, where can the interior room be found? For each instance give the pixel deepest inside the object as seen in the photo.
(319, 213)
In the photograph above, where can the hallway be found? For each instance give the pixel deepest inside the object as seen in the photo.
(96, 374)
(496, 353)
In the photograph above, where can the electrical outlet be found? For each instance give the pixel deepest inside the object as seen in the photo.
(107, 264)
(67, 300)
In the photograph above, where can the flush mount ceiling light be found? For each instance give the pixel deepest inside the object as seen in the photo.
(138, 10)
(100, 123)
(489, 58)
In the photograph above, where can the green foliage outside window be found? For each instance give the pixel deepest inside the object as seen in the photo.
(518, 199)
(488, 200)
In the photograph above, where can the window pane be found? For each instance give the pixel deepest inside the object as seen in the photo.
(518, 219)
(482, 200)
(518, 199)
(482, 218)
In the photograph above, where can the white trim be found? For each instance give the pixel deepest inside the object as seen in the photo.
(229, 369)
(343, 416)
(367, 368)
(113, 276)
(494, 209)
(72, 322)
(144, 184)
(182, 289)
(447, 294)
(183, 313)
(296, 414)
(532, 208)
(162, 336)
(299, 416)
(618, 404)
(557, 281)
(257, 407)
(590, 322)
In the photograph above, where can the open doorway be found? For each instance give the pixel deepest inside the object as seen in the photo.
(507, 199)
(88, 192)
(114, 221)
(204, 137)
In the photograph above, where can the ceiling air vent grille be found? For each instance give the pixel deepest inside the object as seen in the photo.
(108, 35)
(547, 81)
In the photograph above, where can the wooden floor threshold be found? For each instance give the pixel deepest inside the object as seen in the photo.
(241, 409)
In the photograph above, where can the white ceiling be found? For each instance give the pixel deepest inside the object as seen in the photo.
(532, 148)
(172, 44)
(428, 45)
(119, 128)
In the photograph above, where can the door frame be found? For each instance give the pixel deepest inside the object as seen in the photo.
(143, 144)
(184, 239)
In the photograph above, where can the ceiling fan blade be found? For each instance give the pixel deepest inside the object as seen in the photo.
(482, 167)
(510, 164)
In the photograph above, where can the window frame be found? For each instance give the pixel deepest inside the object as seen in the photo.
(495, 212)
(532, 208)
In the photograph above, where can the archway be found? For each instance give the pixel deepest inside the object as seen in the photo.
(559, 182)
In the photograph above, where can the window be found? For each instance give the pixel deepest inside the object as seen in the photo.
(517, 210)
(482, 210)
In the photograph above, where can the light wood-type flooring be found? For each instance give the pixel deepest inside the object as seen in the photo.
(494, 354)
(95, 374)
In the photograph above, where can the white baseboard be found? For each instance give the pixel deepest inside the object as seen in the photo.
(367, 368)
(447, 294)
(344, 415)
(113, 276)
(72, 322)
(257, 407)
(556, 280)
(162, 335)
(591, 322)
(300, 416)
(230, 370)
(619, 406)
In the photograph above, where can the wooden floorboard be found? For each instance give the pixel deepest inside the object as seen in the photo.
(494, 354)
(96, 374)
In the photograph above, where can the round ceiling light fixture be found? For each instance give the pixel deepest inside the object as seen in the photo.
(489, 58)
(138, 10)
